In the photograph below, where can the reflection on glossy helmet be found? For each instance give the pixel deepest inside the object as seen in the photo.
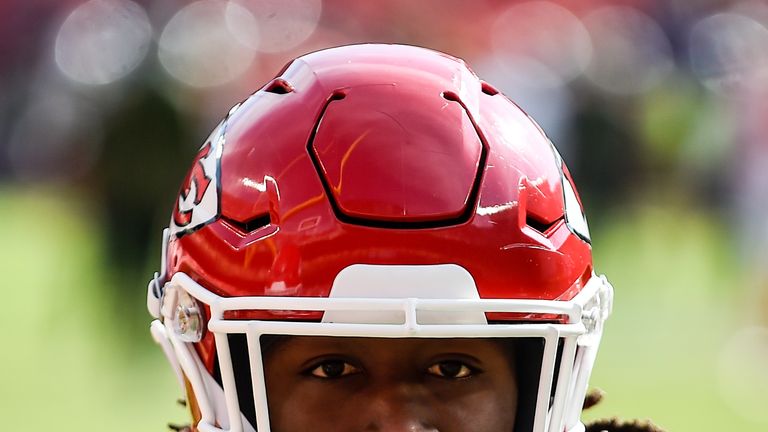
(375, 190)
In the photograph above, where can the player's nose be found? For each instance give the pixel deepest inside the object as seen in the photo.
(396, 408)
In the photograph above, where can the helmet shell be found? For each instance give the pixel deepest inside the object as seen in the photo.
(381, 154)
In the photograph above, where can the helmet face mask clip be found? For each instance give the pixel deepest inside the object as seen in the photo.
(378, 192)
(183, 313)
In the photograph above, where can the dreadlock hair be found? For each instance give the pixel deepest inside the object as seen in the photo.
(616, 425)
(594, 396)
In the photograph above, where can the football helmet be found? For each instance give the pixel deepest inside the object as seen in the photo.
(375, 191)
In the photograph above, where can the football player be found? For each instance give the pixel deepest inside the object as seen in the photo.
(377, 240)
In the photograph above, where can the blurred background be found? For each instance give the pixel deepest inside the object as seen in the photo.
(659, 108)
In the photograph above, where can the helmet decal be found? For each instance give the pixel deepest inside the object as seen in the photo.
(574, 212)
(574, 215)
(198, 200)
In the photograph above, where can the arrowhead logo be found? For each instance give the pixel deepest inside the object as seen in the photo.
(198, 200)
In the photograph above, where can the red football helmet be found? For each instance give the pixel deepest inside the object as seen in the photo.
(375, 191)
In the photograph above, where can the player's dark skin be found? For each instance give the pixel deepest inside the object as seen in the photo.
(333, 384)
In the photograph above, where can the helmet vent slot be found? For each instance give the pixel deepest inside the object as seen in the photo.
(451, 96)
(279, 86)
(488, 89)
(540, 225)
(337, 96)
(250, 225)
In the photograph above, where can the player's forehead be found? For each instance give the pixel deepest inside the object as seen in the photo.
(365, 346)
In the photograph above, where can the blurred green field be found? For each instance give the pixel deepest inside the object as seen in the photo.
(75, 359)
(679, 290)
(69, 361)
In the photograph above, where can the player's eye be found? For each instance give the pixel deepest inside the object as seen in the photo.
(451, 369)
(333, 369)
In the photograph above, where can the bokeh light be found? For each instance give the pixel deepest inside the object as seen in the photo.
(550, 105)
(283, 24)
(208, 43)
(532, 64)
(101, 41)
(729, 51)
(524, 41)
(742, 372)
(54, 139)
(632, 53)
